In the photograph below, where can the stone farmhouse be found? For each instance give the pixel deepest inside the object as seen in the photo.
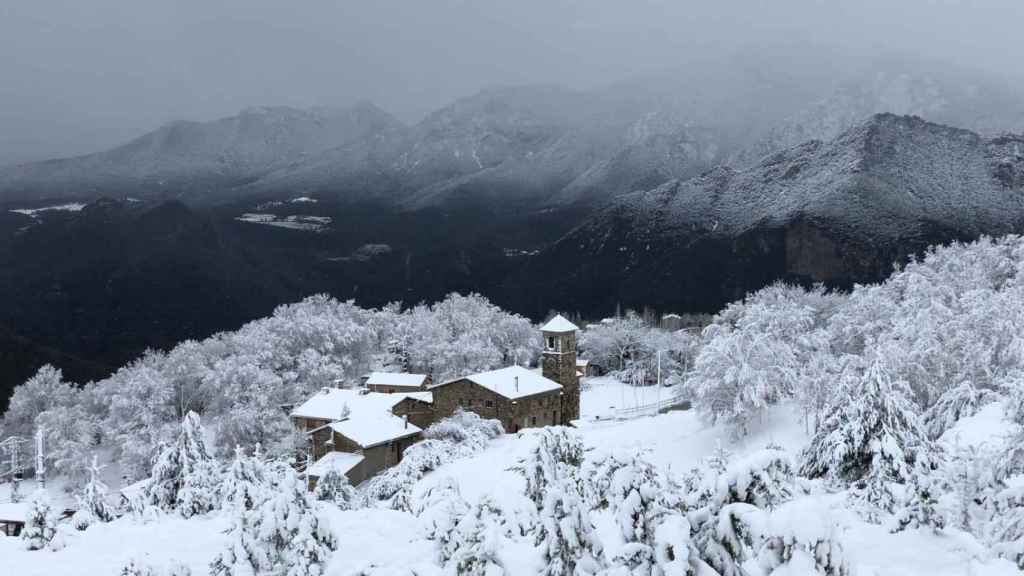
(371, 429)
(361, 432)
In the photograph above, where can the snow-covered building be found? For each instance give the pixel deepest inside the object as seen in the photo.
(519, 397)
(392, 382)
(371, 428)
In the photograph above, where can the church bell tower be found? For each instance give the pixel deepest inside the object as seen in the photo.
(559, 363)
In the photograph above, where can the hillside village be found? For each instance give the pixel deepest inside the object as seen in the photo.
(820, 441)
(362, 432)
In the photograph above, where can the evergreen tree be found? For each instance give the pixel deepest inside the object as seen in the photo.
(40, 522)
(283, 535)
(642, 501)
(475, 543)
(566, 537)
(92, 502)
(921, 507)
(243, 485)
(558, 454)
(184, 475)
(874, 430)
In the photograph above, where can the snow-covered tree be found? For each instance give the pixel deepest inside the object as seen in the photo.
(285, 534)
(243, 485)
(956, 403)
(802, 549)
(185, 476)
(566, 537)
(92, 501)
(335, 488)
(647, 511)
(921, 505)
(873, 429)
(43, 391)
(557, 455)
(475, 542)
(40, 521)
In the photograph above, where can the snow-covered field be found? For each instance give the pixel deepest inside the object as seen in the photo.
(386, 542)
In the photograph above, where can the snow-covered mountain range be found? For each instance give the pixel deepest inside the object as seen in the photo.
(541, 145)
(839, 211)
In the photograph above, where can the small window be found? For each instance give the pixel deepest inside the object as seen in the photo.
(551, 342)
(533, 420)
(489, 403)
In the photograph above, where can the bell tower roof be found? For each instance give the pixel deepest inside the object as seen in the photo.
(559, 324)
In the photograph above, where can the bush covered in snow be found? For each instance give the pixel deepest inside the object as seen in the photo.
(40, 522)
(92, 501)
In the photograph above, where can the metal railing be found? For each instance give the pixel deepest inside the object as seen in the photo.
(677, 401)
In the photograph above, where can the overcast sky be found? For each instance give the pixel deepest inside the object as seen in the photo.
(81, 75)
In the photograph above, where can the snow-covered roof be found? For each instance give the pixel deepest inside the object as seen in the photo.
(421, 396)
(512, 382)
(395, 379)
(559, 324)
(371, 430)
(331, 403)
(13, 511)
(581, 362)
(340, 461)
(672, 316)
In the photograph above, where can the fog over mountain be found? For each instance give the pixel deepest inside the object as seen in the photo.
(78, 78)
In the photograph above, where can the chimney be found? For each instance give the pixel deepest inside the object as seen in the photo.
(405, 420)
(516, 379)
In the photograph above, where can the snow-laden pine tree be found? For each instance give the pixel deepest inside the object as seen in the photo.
(475, 541)
(285, 534)
(440, 508)
(335, 488)
(40, 521)
(646, 508)
(243, 484)
(185, 477)
(566, 536)
(726, 511)
(556, 456)
(873, 430)
(92, 501)
(921, 503)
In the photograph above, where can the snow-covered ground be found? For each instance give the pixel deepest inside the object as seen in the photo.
(70, 207)
(387, 542)
(293, 222)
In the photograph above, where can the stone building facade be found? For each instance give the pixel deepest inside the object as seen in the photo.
(515, 412)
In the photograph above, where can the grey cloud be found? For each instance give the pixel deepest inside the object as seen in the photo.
(80, 76)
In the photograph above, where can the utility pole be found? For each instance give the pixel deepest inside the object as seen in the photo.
(40, 461)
